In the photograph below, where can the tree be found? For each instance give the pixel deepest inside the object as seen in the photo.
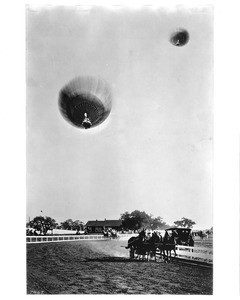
(77, 225)
(42, 224)
(158, 224)
(184, 222)
(69, 224)
(140, 219)
(135, 220)
(127, 221)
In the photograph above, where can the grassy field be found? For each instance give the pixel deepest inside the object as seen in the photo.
(103, 267)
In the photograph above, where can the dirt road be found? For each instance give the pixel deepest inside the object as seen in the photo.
(103, 267)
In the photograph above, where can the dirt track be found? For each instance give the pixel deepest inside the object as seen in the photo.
(102, 267)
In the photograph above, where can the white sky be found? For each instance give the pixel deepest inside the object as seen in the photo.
(155, 151)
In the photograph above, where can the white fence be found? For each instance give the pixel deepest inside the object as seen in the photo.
(126, 236)
(65, 238)
(62, 238)
(195, 253)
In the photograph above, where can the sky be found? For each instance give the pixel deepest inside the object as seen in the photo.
(154, 152)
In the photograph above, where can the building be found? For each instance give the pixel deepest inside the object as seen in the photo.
(99, 226)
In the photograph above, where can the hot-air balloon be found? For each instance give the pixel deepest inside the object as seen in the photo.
(85, 102)
(180, 37)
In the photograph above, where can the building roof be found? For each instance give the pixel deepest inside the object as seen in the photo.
(107, 223)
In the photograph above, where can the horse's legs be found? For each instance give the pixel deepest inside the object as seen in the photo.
(163, 254)
(174, 253)
(132, 252)
(152, 254)
(166, 258)
(136, 254)
(155, 255)
(149, 254)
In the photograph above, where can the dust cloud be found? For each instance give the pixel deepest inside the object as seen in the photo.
(112, 247)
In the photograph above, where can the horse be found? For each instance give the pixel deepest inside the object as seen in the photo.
(135, 242)
(114, 235)
(106, 233)
(152, 245)
(143, 248)
(167, 247)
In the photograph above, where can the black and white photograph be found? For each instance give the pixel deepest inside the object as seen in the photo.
(119, 138)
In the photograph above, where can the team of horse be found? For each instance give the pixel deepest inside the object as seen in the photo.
(145, 248)
(112, 234)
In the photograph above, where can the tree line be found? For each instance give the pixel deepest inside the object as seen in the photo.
(44, 224)
(140, 219)
(135, 221)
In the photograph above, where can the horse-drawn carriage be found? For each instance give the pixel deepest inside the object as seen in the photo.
(182, 236)
(142, 247)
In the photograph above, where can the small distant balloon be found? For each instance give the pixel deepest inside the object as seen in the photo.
(180, 37)
(85, 102)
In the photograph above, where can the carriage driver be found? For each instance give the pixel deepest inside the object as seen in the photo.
(148, 237)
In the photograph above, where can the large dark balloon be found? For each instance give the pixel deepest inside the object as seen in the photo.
(85, 102)
(179, 37)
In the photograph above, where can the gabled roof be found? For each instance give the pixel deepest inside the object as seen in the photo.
(109, 223)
